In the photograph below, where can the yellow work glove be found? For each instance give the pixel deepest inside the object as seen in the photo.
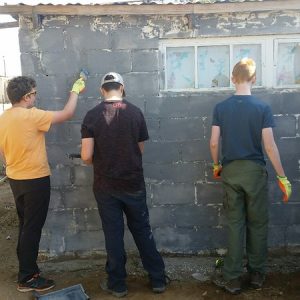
(78, 86)
(285, 187)
(217, 169)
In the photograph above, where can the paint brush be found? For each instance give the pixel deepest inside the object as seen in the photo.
(84, 73)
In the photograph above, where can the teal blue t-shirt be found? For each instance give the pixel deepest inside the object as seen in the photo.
(241, 119)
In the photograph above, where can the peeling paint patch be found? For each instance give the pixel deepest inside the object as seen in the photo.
(25, 22)
(179, 26)
(248, 23)
(106, 24)
(62, 247)
(297, 21)
(241, 21)
(150, 31)
(42, 63)
(63, 20)
(98, 24)
(159, 26)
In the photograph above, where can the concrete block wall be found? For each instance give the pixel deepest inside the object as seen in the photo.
(185, 202)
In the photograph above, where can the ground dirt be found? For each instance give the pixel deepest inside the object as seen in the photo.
(283, 279)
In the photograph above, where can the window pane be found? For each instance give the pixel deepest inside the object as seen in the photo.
(180, 68)
(213, 66)
(288, 65)
(250, 51)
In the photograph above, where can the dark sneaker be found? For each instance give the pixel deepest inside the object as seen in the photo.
(159, 287)
(118, 294)
(257, 280)
(233, 286)
(36, 283)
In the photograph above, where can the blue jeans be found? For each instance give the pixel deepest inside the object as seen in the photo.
(111, 207)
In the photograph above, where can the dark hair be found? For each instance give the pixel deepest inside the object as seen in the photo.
(18, 87)
(111, 86)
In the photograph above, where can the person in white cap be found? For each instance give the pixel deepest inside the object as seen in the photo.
(113, 135)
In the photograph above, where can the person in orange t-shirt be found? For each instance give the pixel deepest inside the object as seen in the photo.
(22, 147)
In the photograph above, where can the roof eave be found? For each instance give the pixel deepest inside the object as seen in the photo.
(153, 9)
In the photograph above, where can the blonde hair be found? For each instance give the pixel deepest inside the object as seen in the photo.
(244, 70)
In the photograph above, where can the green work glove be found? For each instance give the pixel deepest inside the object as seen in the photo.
(78, 86)
(219, 263)
(217, 169)
(285, 187)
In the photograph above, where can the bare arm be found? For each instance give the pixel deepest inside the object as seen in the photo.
(87, 150)
(141, 146)
(214, 143)
(272, 150)
(68, 111)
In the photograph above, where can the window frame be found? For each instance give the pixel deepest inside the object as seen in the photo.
(268, 43)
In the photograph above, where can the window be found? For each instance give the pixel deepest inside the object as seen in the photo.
(288, 63)
(206, 64)
(180, 63)
(213, 66)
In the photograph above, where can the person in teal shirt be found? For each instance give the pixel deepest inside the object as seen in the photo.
(244, 123)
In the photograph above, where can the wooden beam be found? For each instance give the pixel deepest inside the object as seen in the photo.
(235, 7)
(160, 9)
(9, 25)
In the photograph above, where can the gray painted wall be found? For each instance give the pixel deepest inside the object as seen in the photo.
(185, 202)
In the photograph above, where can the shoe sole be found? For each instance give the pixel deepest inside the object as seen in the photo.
(24, 290)
(159, 290)
(218, 284)
(233, 292)
(256, 286)
(223, 286)
(116, 294)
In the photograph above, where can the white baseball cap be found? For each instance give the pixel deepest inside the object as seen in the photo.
(114, 77)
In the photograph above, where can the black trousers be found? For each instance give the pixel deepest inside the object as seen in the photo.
(32, 197)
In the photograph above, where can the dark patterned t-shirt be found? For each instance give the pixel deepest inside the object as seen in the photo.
(117, 128)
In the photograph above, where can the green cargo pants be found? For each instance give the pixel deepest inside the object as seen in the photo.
(246, 206)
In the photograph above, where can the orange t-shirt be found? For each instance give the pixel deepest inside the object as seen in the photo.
(22, 141)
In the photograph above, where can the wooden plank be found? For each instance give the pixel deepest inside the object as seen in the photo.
(9, 25)
(236, 7)
(122, 10)
(97, 10)
(15, 9)
(161, 9)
